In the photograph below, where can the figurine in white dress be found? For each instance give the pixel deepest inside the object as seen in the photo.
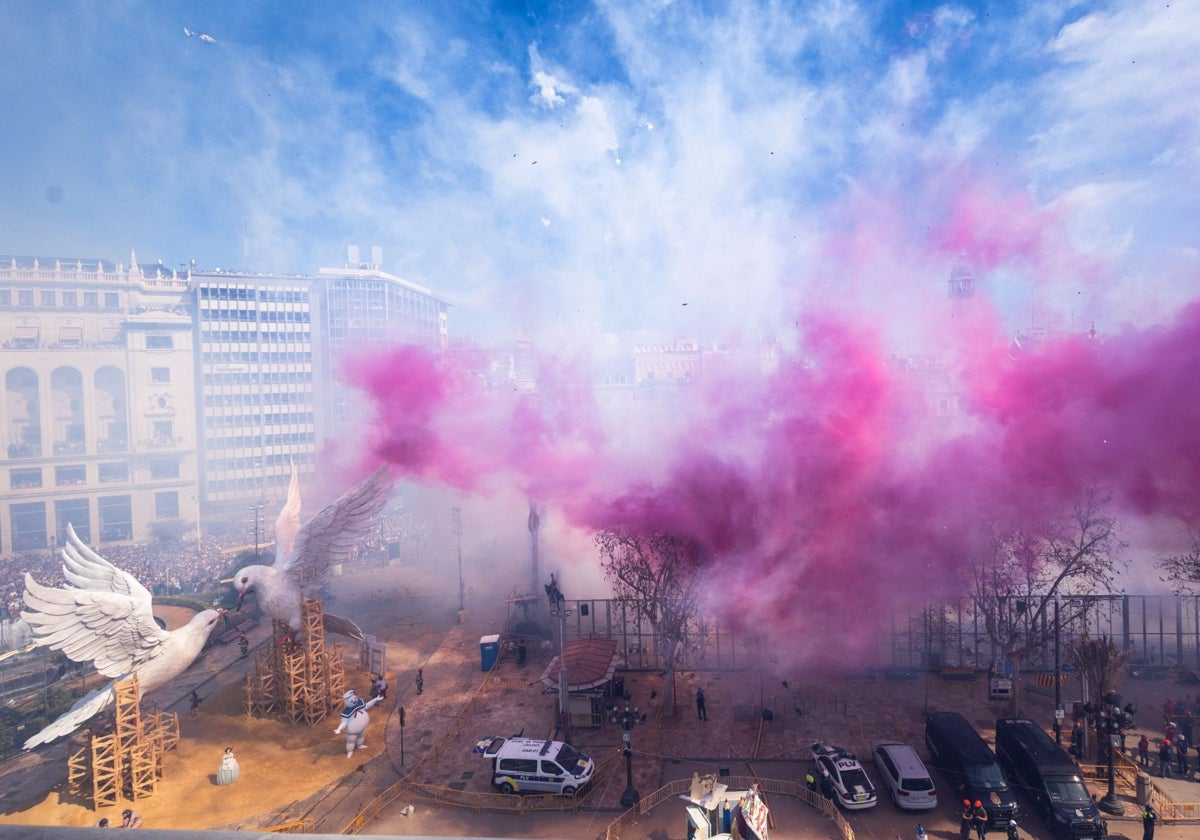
(229, 771)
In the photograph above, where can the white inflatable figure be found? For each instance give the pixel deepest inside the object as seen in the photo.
(103, 616)
(305, 553)
(355, 720)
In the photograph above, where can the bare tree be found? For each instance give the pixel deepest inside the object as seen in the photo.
(655, 575)
(1013, 590)
(1101, 663)
(1182, 571)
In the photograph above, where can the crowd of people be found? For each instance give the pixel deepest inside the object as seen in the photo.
(165, 568)
(171, 568)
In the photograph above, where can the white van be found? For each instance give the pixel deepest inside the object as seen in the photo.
(527, 765)
(905, 776)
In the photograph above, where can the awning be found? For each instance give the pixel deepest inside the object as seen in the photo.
(26, 332)
(591, 663)
(70, 334)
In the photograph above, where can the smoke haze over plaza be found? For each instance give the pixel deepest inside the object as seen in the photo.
(803, 176)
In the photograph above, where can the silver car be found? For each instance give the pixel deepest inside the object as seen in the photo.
(904, 775)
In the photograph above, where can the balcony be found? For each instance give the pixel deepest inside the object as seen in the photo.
(112, 445)
(160, 442)
(24, 450)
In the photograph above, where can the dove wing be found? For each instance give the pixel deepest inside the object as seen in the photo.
(102, 616)
(329, 537)
(287, 524)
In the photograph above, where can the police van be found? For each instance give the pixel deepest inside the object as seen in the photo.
(528, 765)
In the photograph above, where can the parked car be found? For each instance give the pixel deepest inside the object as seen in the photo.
(904, 775)
(958, 750)
(1050, 777)
(851, 787)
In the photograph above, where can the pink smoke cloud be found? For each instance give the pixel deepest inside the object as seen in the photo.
(831, 489)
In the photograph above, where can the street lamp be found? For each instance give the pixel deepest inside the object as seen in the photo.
(1058, 707)
(628, 719)
(1112, 719)
(456, 518)
(564, 706)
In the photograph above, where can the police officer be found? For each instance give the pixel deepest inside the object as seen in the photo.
(810, 780)
(1149, 817)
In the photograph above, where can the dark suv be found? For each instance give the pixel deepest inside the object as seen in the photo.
(958, 751)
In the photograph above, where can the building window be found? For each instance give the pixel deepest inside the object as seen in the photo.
(25, 298)
(114, 472)
(73, 512)
(28, 526)
(5, 297)
(112, 300)
(64, 476)
(160, 375)
(70, 299)
(91, 300)
(159, 342)
(164, 431)
(161, 468)
(23, 479)
(116, 518)
(166, 505)
(48, 298)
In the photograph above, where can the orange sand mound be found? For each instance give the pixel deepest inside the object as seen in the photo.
(280, 763)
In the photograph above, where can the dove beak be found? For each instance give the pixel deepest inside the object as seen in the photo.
(227, 580)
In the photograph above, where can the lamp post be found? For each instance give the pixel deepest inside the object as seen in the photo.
(1112, 717)
(628, 718)
(564, 707)
(456, 518)
(1058, 707)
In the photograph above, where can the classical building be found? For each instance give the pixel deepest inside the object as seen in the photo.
(98, 417)
(135, 398)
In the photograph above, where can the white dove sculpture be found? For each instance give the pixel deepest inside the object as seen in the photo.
(102, 615)
(305, 553)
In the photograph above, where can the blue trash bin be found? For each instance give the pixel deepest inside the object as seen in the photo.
(489, 651)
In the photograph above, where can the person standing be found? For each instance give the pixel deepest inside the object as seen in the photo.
(420, 681)
(243, 645)
(979, 819)
(1181, 748)
(1149, 818)
(810, 781)
(228, 772)
(196, 701)
(701, 710)
(967, 818)
(131, 819)
(1144, 750)
(381, 686)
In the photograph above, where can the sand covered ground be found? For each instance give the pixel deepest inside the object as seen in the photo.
(280, 763)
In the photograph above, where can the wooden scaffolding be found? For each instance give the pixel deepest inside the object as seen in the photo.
(122, 756)
(297, 677)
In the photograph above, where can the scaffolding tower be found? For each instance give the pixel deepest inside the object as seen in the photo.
(297, 677)
(122, 757)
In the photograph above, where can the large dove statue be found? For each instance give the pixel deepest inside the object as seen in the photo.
(102, 615)
(305, 553)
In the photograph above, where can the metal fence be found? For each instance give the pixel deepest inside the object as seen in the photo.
(1156, 631)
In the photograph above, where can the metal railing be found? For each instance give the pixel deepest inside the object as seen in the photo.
(783, 787)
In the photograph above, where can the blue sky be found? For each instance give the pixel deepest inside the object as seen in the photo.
(598, 173)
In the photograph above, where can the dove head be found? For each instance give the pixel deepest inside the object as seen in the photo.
(245, 579)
